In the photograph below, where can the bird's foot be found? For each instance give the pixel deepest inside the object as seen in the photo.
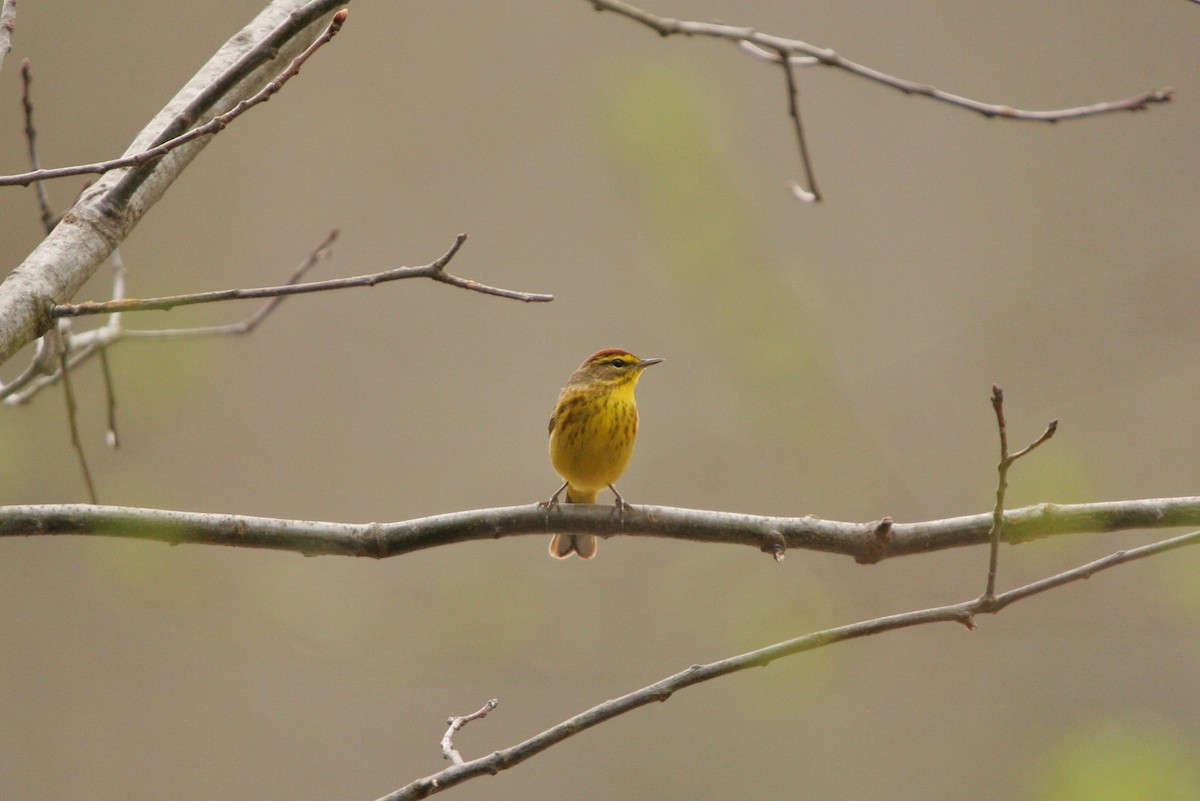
(552, 501)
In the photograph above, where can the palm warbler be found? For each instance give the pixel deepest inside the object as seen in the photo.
(592, 432)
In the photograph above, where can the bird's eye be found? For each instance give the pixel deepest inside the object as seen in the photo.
(618, 362)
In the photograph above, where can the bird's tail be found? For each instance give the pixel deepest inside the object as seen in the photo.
(563, 545)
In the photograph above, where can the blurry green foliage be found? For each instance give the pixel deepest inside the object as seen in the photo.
(1120, 760)
(167, 371)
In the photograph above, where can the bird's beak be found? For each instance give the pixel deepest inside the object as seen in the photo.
(644, 363)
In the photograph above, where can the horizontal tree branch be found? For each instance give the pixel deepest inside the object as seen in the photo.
(662, 690)
(865, 542)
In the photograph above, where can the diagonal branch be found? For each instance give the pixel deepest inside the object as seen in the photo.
(963, 613)
(668, 26)
(1086, 571)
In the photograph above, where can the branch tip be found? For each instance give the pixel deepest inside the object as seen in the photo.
(803, 195)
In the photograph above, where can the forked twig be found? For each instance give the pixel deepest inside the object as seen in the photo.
(434, 270)
(84, 345)
(668, 26)
(448, 750)
(1006, 461)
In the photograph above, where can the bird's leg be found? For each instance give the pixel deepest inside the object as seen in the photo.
(553, 500)
(622, 504)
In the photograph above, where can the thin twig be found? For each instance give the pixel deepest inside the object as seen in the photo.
(662, 690)
(667, 26)
(69, 393)
(448, 751)
(31, 139)
(212, 127)
(434, 270)
(114, 323)
(110, 396)
(1006, 461)
(812, 194)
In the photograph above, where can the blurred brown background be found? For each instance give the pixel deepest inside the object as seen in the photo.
(833, 360)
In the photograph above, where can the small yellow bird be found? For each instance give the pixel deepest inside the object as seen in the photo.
(592, 432)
